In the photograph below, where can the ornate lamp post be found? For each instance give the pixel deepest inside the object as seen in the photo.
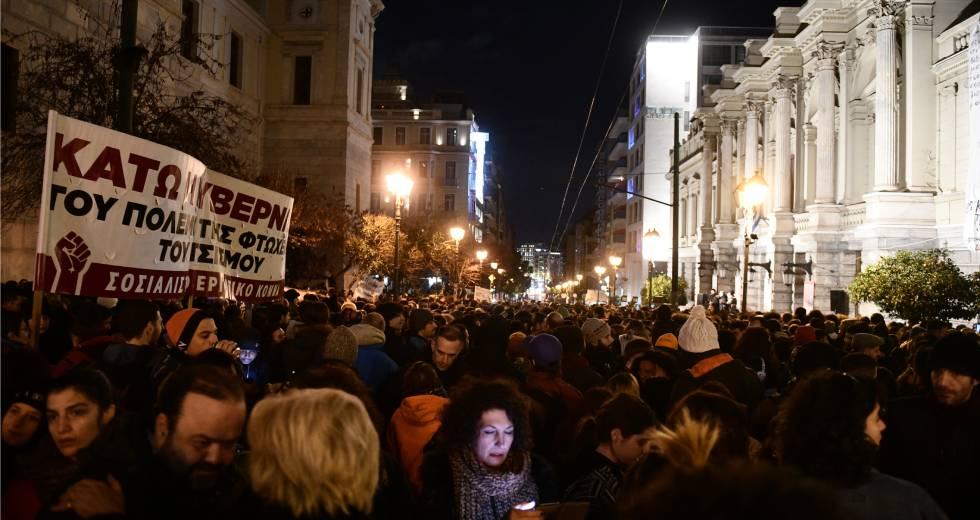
(751, 193)
(615, 262)
(401, 187)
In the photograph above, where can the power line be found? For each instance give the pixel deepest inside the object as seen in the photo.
(588, 118)
(599, 149)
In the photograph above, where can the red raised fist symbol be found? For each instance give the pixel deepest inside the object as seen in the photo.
(72, 255)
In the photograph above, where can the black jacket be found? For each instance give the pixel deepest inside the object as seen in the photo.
(741, 381)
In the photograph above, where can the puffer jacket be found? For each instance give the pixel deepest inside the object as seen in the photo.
(411, 428)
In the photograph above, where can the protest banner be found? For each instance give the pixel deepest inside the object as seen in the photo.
(124, 217)
(368, 289)
(481, 294)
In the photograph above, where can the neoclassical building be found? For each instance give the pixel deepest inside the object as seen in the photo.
(855, 112)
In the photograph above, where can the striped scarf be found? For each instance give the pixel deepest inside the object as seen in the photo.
(483, 493)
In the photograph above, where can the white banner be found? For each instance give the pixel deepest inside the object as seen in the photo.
(481, 294)
(368, 289)
(128, 218)
(971, 221)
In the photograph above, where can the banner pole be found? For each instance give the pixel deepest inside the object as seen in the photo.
(190, 301)
(36, 319)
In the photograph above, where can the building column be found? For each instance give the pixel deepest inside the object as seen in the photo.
(726, 193)
(845, 146)
(752, 109)
(782, 92)
(826, 56)
(707, 230)
(919, 92)
(739, 167)
(886, 96)
(809, 164)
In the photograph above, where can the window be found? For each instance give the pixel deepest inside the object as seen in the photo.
(10, 62)
(379, 135)
(400, 135)
(375, 203)
(360, 91)
(425, 135)
(235, 61)
(452, 136)
(449, 203)
(424, 170)
(188, 29)
(450, 173)
(740, 54)
(302, 75)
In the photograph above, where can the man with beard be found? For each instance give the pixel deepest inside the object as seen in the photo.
(201, 413)
(129, 364)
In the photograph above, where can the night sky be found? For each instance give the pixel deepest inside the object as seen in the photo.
(528, 69)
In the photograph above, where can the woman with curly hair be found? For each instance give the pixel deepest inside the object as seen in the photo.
(482, 465)
(830, 429)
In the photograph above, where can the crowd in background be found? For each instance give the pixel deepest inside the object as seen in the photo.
(318, 407)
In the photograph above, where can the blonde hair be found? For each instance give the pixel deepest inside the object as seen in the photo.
(314, 451)
(624, 383)
(688, 444)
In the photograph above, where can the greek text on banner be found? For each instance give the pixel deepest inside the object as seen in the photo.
(129, 218)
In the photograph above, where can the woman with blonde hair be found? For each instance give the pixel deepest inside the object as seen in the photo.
(315, 454)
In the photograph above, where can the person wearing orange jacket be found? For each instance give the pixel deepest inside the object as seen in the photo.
(417, 419)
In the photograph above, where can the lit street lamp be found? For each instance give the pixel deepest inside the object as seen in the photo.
(457, 233)
(599, 271)
(751, 193)
(481, 255)
(400, 186)
(615, 261)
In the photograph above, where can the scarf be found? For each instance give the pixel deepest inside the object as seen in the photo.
(483, 493)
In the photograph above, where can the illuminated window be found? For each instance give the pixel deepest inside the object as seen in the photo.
(452, 136)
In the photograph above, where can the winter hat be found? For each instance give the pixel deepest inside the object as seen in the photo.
(348, 305)
(698, 333)
(959, 353)
(367, 335)
(545, 350)
(595, 329)
(390, 310)
(419, 318)
(668, 341)
(375, 320)
(342, 345)
(864, 341)
(182, 325)
(804, 334)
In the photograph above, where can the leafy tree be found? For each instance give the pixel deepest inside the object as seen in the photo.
(919, 285)
(76, 78)
(661, 289)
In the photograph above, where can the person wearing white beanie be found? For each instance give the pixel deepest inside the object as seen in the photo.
(700, 353)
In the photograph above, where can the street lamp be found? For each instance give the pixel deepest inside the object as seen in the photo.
(615, 261)
(481, 255)
(599, 271)
(400, 186)
(751, 193)
(457, 233)
(493, 265)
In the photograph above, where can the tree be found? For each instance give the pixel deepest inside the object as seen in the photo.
(77, 79)
(661, 289)
(919, 285)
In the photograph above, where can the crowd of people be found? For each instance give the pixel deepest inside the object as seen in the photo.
(318, 407)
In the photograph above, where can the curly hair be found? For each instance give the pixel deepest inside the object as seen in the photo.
(467, 403)
(820, 428)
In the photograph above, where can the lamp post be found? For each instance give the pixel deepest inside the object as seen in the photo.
(400, 186)
(457, 233)
(650, 240)
(751, 193)
(615, 262)
(481, 255)
(599, 271)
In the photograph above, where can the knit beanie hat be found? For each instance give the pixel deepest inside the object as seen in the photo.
(698, 333)
(419, 319)
(348, 306)
(182, 326)
(545, 350)
(667, 340)
(595, 329)
(804, 334)
(342, 345)
(367, 335)
(959, 353)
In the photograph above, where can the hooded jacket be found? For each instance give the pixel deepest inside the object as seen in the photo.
(373, 364)
(411, 428)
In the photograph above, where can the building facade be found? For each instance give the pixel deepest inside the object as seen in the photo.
(855, 114)
(301, 68)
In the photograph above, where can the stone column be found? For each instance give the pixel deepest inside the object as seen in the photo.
(809, 164)
(886, 96)
(844, 135)
(739, 168)
(705, 272)
(782, 92)
(826, 56)
(919, 91)
(752, 109)
(726, 192)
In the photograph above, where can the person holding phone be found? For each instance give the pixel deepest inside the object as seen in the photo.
(482, 467)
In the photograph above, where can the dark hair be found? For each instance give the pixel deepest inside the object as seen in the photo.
(132, 317)
(314, 312)
(11, 322)
(467, 403)
(453, 332)
(339, 376)
(627, 413)
(820, 428)
(206, 379)
(91, 383)
(421, 379)
(718, 408)
(88, 320)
